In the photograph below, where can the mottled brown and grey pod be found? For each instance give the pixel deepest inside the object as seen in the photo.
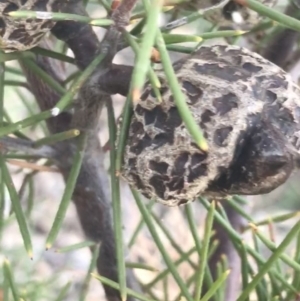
(249, 110)
(23, 34)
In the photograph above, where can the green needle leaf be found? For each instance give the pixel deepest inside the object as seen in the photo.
(179, 98)
(88, 276)
(68, 97)
(179, 38)
(30, 64)
(216, 285)
(9, 276)
(70, 185)
(269, 263)
(23, 14)
(272, 247)
(81, 245)
(142, 63)
(160, 246)
(56, 138)
(263, 10)
(5, 130)
(165, 272)
(16, 207)
(116, 203)
(204, 250)
(115, 285)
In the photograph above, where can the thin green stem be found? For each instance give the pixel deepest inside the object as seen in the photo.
(16, 207)
(204, 251)
(10, 278)
(272, 247)
(70, 185)
(123, 131)
(56, 138)
(23, 14)
(116, 202)
(154, 80)
(85, 285)
(275, 15)
(216, 285)
(17, 126)
(53, 54)
(269, 263)
(68, 97)
(236, 239)
(165, 272)
(30, 64)
(179, 97)
(74, 247)
(142, 64)
(115, 285)
(161, 247)
(180, 38)
(64, 291)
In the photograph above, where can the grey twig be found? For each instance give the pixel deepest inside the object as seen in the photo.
(121, 15)
(79, 37)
